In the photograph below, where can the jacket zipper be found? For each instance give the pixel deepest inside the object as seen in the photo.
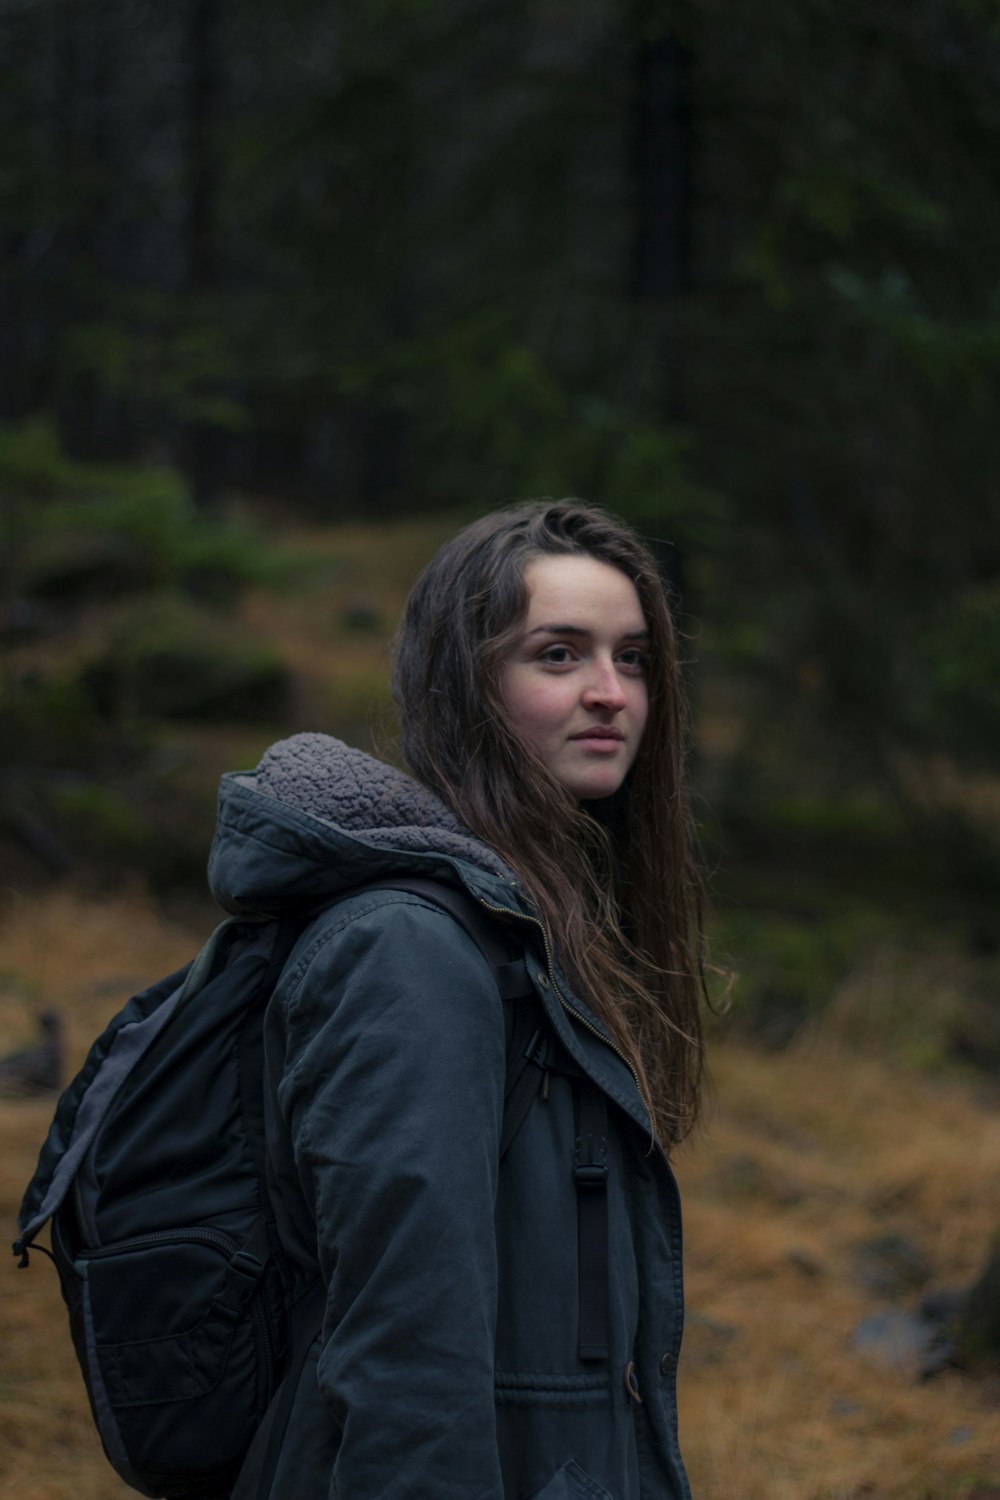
(587, 1025)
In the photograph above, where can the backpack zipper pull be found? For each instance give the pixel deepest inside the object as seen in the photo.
(537, 1053)
(22, 1247)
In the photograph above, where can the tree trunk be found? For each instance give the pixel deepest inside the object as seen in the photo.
(203, 442)
(662, 134)
(661, 248)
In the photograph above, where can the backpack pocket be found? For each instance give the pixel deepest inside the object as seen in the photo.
(179, 1350)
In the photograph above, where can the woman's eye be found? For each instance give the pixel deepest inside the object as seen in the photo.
(634, 660)
(557, 656)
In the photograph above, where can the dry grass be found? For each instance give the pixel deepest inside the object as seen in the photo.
(806, 1154)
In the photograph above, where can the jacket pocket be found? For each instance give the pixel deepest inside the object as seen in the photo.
(571, 1483)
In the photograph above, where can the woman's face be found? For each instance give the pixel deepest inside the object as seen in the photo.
(575, 680)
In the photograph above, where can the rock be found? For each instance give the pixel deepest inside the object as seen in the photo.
(913, 1345)
(895, 1338)
(37, 1069)
(891, 1266)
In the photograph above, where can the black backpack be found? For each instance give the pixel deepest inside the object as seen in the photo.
(152, 1174)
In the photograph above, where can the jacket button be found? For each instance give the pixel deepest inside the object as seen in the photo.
(668, 1364)
(543, 979)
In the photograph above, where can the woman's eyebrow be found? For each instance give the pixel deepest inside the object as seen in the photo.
(629, 635)
(558, 630)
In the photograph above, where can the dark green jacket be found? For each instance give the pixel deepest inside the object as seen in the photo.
(447, 1367)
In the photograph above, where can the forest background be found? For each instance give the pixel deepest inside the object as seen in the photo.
(286, 293)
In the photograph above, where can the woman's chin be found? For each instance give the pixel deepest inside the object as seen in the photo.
(594, 786)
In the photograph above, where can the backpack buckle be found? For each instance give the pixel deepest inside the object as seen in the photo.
(590, 1161)
(537, 1050)
(242, 1275)
(245, 1264)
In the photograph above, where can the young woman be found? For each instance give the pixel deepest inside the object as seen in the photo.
(498, 1324)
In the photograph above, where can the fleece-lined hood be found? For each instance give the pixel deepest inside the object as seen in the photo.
(318, 817)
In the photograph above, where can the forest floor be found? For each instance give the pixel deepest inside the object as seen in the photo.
(809, 1158)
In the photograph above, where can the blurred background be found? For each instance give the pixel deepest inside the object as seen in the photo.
(289, 293)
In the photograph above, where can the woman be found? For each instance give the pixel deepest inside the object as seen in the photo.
(492, 1329)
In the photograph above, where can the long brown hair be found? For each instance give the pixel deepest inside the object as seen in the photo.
(617, 884)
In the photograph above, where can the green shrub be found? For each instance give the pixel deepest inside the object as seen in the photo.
(49, 721)
(168, 658)
(80, 530)
(101, 823)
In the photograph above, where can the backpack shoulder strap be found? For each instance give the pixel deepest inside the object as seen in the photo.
(527, 1039)
(528, 1060)
(511, 974)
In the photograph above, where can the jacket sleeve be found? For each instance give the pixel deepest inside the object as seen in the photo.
(392, 1090)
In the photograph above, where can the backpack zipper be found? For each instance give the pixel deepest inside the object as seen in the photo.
(259, 1313)
(157, 1236)
(571, 1010)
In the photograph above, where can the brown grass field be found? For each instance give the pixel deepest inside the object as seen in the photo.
(805, 1155)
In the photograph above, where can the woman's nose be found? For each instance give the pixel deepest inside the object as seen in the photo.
(604, 687)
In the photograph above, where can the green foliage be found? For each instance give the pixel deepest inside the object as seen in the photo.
(418, 289)
(31, 459)
(80, 527)
(497, 422)
(49, 721)
(862, 975)
(170, 659)
(105, 821)
(164, 351)
(961, 701)
(116, 592)
(787, 970)
(32, 462)
(356, 705)
(847, 378)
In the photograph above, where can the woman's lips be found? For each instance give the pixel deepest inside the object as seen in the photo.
(606, 740)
